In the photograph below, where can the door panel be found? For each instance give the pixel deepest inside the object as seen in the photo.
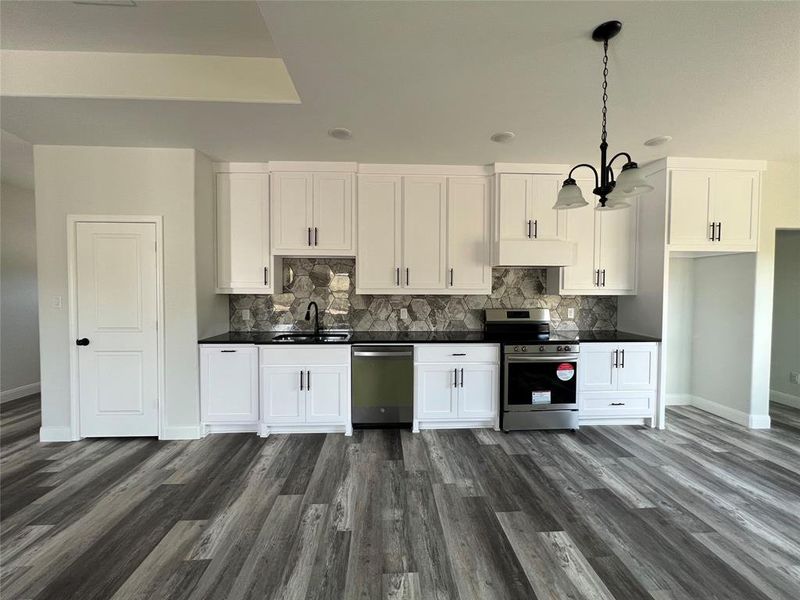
(513, 204)
(282, 400)
(333, 211)
(327, 394)
(478, 391)
(117, 311)
(292, 210)
(596, 371)
(243, 230)
(379, 214)
(689, 218)
(424, 232)
(637, 368)
(468, 233)
(733, 198)
(617, 257)
(229, 385)
(437, 394)
(580, 229)
(547, 221)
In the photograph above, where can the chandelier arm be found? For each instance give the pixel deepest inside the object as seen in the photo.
(596, 178)
(617, 155)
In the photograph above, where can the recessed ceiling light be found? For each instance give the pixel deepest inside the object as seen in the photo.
(658, 140)
(503, 137)
(340, 133)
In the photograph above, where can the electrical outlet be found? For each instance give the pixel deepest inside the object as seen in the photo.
(404, 314)
(570, 313)
(794, 377)
(246, 314)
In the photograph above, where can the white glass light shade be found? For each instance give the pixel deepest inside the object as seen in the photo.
(570, 196)
(612, 204)
(631, 182)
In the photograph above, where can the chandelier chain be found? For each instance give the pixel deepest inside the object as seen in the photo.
(605, 88)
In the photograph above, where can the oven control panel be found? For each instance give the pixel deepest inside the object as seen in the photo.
(535, 348)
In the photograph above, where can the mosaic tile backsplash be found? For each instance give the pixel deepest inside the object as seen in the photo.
(330, 282)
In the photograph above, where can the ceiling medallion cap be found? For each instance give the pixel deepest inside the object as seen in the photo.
(606, 31)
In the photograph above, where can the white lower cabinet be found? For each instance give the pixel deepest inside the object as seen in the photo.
(617, 380)
(228, 388)
(451, 392)
(304, 389)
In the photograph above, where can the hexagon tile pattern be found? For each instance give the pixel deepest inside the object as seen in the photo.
(330, 282)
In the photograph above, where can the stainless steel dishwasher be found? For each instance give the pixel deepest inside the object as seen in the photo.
(383, 385)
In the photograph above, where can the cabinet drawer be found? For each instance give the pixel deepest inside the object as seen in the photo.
(439, 353)
(303, 355)
(617, 404)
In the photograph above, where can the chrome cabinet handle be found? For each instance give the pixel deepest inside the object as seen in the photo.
(597, 278)
(529, 228)
(308, 380)
(455, 377)
(622, 361)
(309, 236)
(227, 350)
(459, 354)
(408, 276)
(713, 237)
(462, 378)
(397, 273)
(604, 278)
(266, 275)
(719, 231)
(615, 364)
(536, 228)
(451, 276)
(617, 404)
(316, 236)
(301, 381)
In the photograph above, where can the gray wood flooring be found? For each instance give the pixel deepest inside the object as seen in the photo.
(703, 510)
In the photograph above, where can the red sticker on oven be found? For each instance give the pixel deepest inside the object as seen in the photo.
(565, 371)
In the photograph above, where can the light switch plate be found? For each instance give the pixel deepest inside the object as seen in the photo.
(246, 314)
(570, 313)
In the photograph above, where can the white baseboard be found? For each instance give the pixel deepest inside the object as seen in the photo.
(265, 430)
(732, 414)
(55, 434)
(759, 422)
(20, 392)
(184, 432)
(679, 399)
(783, 398)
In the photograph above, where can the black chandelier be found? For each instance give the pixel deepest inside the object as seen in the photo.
(630, 182)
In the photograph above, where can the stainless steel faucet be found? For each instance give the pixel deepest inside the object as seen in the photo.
(316, 316)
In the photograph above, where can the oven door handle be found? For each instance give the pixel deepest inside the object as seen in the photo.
(535, 359)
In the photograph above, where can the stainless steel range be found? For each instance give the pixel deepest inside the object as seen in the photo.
(540, 372)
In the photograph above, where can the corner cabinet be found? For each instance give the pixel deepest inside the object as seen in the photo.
(617, 381)
(244, 261)
(304, 389)
(456, 386)
(713, 210)
(228, 388)
(606, 250)
(423, 235)
(312, 213)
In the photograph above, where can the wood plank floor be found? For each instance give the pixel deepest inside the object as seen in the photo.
(703, 510)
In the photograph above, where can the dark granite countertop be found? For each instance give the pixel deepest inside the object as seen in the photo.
(429, 337)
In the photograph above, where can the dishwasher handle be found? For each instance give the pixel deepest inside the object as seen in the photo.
(383, 353)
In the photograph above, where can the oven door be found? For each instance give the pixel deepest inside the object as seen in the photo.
(540, 382)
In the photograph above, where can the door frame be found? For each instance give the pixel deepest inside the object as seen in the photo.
(72, 303)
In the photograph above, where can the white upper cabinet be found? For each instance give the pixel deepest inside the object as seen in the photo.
(468, 234)
(243, 249)
(424, 230)
(606, 249)
(713, 210)
(379, 229)
(423, 234)
(312, 213)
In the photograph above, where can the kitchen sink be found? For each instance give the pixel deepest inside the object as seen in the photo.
(309, 338)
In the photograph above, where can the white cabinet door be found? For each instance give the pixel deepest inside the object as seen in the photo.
(468, 234)
(734, 207)
(333, 211)
(478, 391)
(689, 218)
(637, 367)
(243, 252)
(424, 232)
(379, 217)
(617, 256)
(229, 384)
(580, 229)
(328, 394)
(546, 222)
(437, 394)
(283, 396)
(513, 202)
(596, 370)
(292, 212)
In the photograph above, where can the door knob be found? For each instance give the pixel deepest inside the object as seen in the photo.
(82, 342)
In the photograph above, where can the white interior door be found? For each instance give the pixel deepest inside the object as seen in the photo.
(378, 256)
(117, 312)
(468, 233)
(333, 211)
(424, 232)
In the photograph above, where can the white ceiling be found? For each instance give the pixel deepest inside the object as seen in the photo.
(430, 82)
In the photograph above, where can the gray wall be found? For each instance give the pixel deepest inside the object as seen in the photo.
(19, 321)
(786, 316)
(331, 283)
